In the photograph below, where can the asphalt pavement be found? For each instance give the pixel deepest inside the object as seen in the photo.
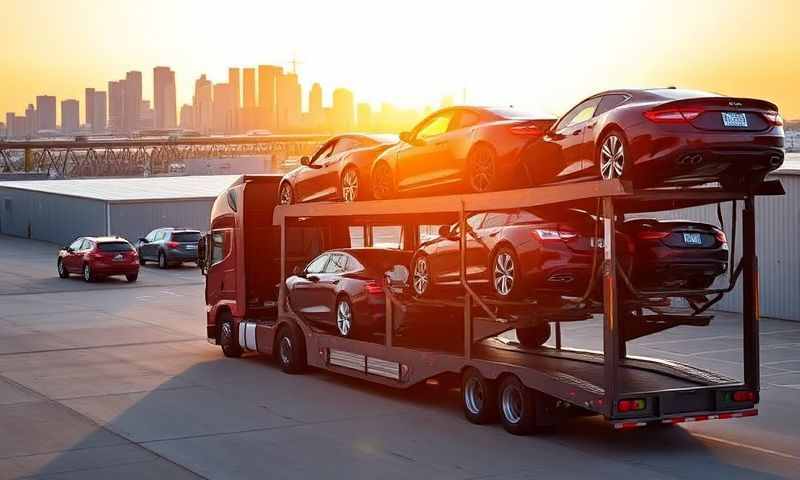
(116, 380)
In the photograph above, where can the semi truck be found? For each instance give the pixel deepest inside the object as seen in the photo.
(253, 244)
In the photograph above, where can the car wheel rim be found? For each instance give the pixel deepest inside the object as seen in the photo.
(60, 268)
(504, 273)
(511, 401)
(482, 170)
(421, 276)
(382, 181)
(474, 396)
(350, 186)
(286, 195)
(286, 350)
(344, 318)
(87, 274)
(612, 158)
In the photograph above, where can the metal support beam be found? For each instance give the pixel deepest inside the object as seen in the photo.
(462, 248)
(611, 314)
(750, 296)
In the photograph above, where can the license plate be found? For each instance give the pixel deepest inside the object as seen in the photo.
(692, 239)
(191, 247)
(734, 119)
(118, 258)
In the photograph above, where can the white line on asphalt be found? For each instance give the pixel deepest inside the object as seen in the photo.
(744, 445)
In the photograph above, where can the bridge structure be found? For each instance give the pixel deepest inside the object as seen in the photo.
(93, 157)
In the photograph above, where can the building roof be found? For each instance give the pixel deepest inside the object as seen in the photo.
(131, 189)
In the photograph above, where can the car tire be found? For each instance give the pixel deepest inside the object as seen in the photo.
(142, 261)
(286, 194)
(88, 274)
(132, 277)
(517, 406)
(62, 270)
(162, 261)
(350, 185)
(345, 317)
(479, 397)
(481, 169)
(290, 350)
(505, 277)
(382, 182)
(611, 156)
(227, 340)
(535, 336)
(421, 275)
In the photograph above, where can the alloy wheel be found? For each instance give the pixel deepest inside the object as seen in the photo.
(87, 272)
(504, 273)
(286, 194)
(350, 186)
(612, 158)
(61, 270)
(421, 275)
(511, 403)
(285, 350)
(482, 170)
(344, 317)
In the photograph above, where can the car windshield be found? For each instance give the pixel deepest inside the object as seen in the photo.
(114, 247)
(382, 259)
(186, 237)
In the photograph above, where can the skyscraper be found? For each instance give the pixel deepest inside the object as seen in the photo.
(364, 117)
(223, 116)
(133, 101)
(187, 117)
(45, 112)
(70, 116)
(249, 87)
(267, 85)
(116, 105)
(316, 115)
(342, 110)
(164, 97)
(100, 119)
(31, 125)
(234, 75)
(288, 101)
(203, 104)
(89, 106)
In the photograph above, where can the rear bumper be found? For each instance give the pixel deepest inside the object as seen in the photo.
(181, 255)
(677, 274)
(111, 269)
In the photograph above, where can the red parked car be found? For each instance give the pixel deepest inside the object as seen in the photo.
(95, 258)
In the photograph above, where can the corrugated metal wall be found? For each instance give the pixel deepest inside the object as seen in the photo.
(136, 219)
(778, 247)
(53, 218)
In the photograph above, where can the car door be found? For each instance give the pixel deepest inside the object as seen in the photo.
(309, 183)
(481, 248)
(70, 260)
(149, 248)
(330, 168)
(329, 282)
(221, 276)
(569, 133)
(446, 262)
(305, 294)
(426, 160)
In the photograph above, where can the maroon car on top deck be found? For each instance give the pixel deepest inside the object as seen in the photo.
(95, 258)
(456, 149)
(661, 137)
(339, 170)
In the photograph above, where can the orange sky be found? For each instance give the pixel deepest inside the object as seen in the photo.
(536, 55)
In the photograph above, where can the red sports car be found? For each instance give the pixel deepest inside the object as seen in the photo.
(661, 137)
(474, 149)
(95, 258)
(339, 170)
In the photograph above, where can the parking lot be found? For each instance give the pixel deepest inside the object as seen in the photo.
(116, 380)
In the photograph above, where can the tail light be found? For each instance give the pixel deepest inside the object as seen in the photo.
(530, 130)
(720, 235)
(652, 235)
(673, 115)
(560, 233)
(374, 288)
(774, 119)
(172, 244)
(632, 405)
(740, 396)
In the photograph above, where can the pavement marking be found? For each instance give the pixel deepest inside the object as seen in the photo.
(97, 347)
(744, 445)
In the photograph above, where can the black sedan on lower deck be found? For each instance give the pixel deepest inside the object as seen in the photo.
(343, 289)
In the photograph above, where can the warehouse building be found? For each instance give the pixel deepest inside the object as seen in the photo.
(59, 210)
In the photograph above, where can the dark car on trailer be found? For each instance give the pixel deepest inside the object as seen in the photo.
(661, 137)
(169, 246)
(342, 290)
(457, 149)
(95, 258)
(339, 170)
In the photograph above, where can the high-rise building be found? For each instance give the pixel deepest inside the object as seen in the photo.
(224, 114)
(31, 124)
(11, 120)
(288, 102)
(364, 117)
(234, 75)
(249, 87)
(88, 105)
(164, 97)
(116, 105)
(187, 117)
(202, 104)
(45, 112)
(147, 115)
(316, 115)
(342, 110)
(267, 89)
(132, 101)
(70, 116)
(100, 120)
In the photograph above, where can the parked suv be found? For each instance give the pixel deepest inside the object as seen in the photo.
(169, 246)
(95, 258)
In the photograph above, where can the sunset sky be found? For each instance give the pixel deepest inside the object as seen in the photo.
(534, 55)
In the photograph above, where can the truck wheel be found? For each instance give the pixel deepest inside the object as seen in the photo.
(228, 341)
(290, 350)
(479, 396)
(534, 336)
(517, 406)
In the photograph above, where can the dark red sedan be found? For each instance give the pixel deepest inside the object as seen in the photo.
(661, 137)
(95, 258)
(456, 149)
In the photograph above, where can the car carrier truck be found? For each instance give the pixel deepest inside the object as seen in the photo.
(253, 245)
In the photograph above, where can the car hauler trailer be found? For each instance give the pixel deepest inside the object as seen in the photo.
(524, 386)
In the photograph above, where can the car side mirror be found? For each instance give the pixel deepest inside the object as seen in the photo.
(444, 231)
(297, 271)
(69, 249)
(305, 160)
(143, 240)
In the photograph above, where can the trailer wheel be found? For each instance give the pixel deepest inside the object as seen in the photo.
(290, 350)
(517, 406)
(534, 336)
(479, 396)
(227, 340)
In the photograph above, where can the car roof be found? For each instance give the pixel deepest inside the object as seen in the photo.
(106, 239)
(176, 229)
